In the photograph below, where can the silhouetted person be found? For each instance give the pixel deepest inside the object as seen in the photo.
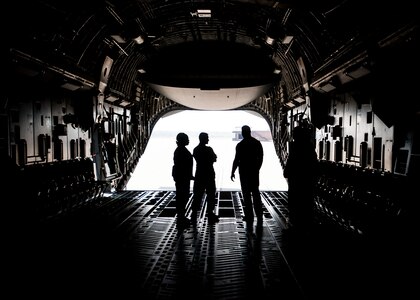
(205, 177)
(182, 173)
(111, 153)
(301, 171)
(11, 184)
(249, 158)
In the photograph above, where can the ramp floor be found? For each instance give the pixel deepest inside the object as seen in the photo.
(128, 246)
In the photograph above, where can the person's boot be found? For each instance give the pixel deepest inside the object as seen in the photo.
(212, 217)
(194, 216)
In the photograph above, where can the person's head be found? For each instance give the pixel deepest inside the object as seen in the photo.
(203, 137)
(246, 131)
(182, 139)
(301, 134)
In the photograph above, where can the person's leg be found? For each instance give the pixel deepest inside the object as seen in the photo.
(182, 195)
(308, 209)
(254, 183)
(258, 208)
(198, 190)
(294, 201)
(211, 201)
(246, 185)
(179, 197)
(211, 196)
(248, 210)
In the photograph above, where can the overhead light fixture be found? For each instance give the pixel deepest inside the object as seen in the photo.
(201, 13)
(118, 38)
(287, 39)
(142, 71)
(299, 100)
(330, 84)
(290, 104)
(204, 13)
(125, 103)
(139, 40)
(112, 98)
(269, 40)
(357, 72)
(277, 71)
(327, 87)
(70, 86)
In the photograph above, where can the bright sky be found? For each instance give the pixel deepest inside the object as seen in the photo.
(153, 171)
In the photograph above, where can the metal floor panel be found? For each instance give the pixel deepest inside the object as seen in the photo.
(225, 260)
(129, 246)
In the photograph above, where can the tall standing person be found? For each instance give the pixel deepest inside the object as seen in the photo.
(301, 172)
(205, 177)
(248, 159)
(182, 173)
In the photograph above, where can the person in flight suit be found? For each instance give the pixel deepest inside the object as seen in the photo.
(301, 172)
(204, 179)
(249, 158)
(182, 173)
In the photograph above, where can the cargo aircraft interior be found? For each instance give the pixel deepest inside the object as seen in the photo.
(84, 84)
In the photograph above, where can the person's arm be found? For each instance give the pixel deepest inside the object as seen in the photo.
(191, 165)
(214, 155)
(234, 166)
(260, 155)
(174, 167)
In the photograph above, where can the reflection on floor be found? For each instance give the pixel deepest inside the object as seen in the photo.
(129, 246)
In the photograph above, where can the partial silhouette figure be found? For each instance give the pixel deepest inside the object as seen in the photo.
(110, 153)
(13, 206)
(10, 171)
(248, 159)
(182, 173)
(301, 171)
(205, 178)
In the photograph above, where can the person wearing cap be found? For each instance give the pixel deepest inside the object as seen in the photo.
(182, 173)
